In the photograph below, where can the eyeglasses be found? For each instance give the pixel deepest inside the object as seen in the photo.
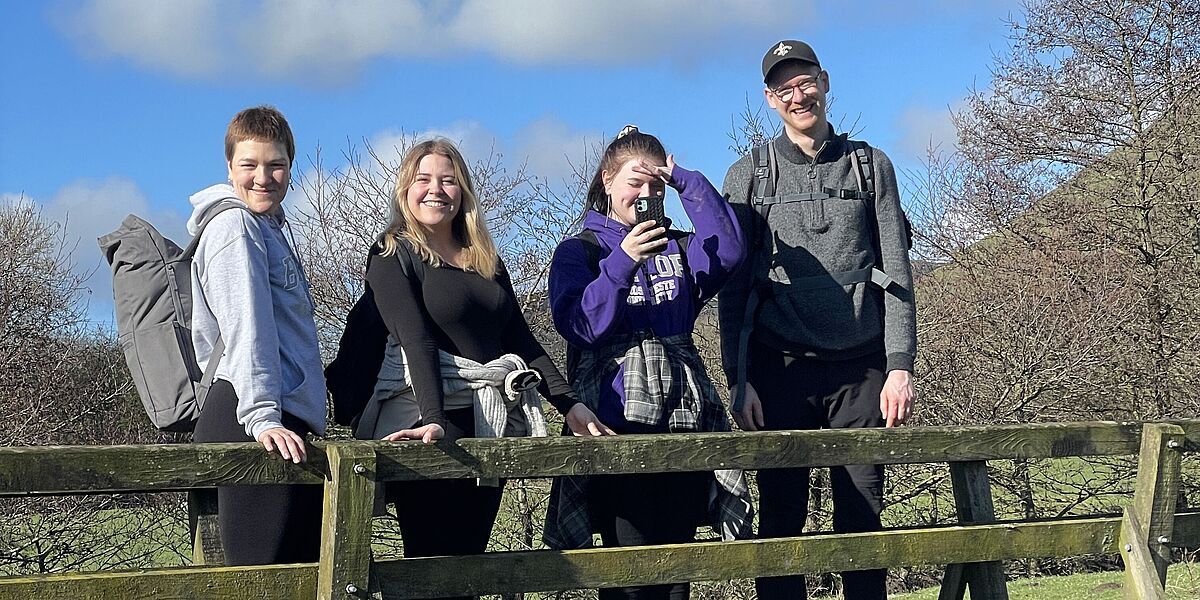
(806, 86)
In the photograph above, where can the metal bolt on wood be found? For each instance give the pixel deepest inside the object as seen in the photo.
(359, 468)
(1162, 539)
(1173, 444)
(350, 587)
(1129, 547)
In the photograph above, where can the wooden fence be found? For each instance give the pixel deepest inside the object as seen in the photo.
(349, 471)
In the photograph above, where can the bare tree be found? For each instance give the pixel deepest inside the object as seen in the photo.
(1064, 226)
(1066, 220)
(64, 383)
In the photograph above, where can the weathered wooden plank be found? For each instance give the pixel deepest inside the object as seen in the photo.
(157, 467)
(1156, 492)
(545, 570)
(1141, 575)
(346, 526)
(973, 503)
(274, 582)
(513, 572)
(59, 469)
(525, 457)
(205, 530)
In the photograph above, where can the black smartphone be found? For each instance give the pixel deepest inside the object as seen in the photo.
(650, 208)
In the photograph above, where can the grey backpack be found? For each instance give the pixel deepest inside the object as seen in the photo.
(152, 291)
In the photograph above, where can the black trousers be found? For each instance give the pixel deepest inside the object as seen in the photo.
(642, 509)
(446, 517)
(800, 393)
(260, 524)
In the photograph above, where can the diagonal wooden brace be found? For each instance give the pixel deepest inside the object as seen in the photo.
(1149, 522)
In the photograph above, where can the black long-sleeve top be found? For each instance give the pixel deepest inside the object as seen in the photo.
(447, 308)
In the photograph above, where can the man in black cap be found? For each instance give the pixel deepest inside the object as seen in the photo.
(818, 327)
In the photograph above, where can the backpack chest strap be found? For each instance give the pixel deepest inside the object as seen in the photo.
(824, 194)
(781, 284)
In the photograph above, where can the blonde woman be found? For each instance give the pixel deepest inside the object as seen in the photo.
(448, 303)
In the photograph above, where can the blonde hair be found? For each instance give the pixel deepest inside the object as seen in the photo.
(469, 225)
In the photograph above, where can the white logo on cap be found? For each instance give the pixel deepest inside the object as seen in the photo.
(782, 50)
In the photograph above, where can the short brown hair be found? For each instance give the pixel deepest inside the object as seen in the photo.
(261, 123)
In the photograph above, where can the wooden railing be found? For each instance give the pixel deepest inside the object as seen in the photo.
(349, 472)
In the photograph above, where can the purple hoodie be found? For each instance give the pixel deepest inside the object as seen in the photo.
(587, 309)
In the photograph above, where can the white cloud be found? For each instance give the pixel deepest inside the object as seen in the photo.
(552, 150)
(328, 41)
(923, 127)
(184, 37)
(615, 31)
(547, 146)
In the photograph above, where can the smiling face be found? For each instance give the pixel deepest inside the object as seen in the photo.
(260, 172)
(625, 186)
(803, 110)
(434, 197)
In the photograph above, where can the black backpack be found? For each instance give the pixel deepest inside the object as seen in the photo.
(352, 375)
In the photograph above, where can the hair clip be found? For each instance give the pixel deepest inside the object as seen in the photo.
(626, 130)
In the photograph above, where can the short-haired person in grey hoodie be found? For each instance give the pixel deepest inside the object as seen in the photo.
(818, 327)
(250, 293)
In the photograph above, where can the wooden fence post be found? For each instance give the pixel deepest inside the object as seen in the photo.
(205, 530)
(973, 502)
(1148, 523)
(346, 523)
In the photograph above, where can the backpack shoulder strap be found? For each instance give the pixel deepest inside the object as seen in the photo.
(218, 348)
(592, 243)
(221, 207)
(761, 246)
(408, 263)
(864, 168)
(682, 239)
(865, 172)
(404, 257)
(765, 174)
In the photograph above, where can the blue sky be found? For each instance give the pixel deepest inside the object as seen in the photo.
(116, 106)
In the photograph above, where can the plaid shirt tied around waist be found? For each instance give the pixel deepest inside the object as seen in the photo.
(664, 378)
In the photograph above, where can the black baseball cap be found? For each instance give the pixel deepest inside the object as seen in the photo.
(788, 50)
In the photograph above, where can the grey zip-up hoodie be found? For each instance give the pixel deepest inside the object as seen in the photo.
(248, 288)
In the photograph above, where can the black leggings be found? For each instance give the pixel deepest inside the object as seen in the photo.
(446, 517)
(799, 393)
(648, 508)
(260, 524)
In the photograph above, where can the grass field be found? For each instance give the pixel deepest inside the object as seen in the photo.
(1183, 583)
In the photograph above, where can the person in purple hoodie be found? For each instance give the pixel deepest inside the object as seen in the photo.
(626, 296)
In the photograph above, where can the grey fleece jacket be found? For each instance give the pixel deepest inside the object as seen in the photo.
(815, 238)
(248, 288)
